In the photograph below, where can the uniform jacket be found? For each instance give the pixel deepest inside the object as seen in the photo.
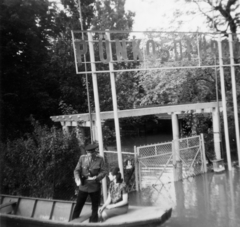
(85, 168)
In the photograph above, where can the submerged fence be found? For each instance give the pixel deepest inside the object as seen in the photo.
(157, 164)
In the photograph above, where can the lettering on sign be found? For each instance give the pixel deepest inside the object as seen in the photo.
(172, 50)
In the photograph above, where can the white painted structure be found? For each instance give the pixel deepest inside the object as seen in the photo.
(203, 41)
(172, 110)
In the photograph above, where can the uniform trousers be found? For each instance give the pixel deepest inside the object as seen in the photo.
(81, 199)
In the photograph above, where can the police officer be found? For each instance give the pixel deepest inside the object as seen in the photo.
(89, 172)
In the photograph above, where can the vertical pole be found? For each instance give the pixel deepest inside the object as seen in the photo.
(136, 168)
(139, 171)
(97, 107)
(203, 153)
(198, 49)
(234, 93)
(176, 152)
(175, 131)
(224, 103)
(86, 76)
(218, 109)
(115, 108)
(216, 133)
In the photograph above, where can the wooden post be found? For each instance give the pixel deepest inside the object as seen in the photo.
(97, 107)
(65, 128)
(115, 107)
(224, 103)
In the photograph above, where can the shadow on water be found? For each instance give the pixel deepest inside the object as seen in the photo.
(207, 200)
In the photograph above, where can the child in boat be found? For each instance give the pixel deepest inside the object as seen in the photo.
(117, 201)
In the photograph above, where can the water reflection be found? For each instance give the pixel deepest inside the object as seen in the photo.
(206, 200)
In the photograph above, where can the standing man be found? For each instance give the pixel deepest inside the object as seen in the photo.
(89, 172)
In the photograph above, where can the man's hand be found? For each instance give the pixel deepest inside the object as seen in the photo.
(77, 181)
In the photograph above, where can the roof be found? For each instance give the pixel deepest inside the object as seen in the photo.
(161, 111)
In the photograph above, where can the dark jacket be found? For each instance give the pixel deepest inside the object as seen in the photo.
(84, 169)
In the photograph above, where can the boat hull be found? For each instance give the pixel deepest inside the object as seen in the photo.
(51, 213)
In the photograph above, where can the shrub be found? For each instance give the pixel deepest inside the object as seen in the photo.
(41, 164)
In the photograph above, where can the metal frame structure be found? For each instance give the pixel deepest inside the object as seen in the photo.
(81, 47)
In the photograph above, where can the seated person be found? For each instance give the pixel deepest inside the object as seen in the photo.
(117, 201)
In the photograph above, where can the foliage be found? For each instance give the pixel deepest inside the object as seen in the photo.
(224, 16)
(62, 66)
(110, 14)
(40, 164)
(27, 28)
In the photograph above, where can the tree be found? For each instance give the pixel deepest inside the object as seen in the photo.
(40, 165)
(27, 29)
(224, 16)
(37, 63)
(110, 14)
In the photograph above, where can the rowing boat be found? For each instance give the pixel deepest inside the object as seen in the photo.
(35, 212)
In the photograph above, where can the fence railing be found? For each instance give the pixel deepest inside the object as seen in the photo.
(157, 162)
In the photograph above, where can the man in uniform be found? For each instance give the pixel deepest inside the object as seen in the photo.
(89, 172)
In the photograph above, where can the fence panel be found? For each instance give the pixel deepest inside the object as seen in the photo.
(156, 165)
(190, 150)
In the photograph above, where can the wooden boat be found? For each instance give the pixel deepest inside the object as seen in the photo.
(35, 212)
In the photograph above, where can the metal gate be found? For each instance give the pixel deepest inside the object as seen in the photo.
(156, 162)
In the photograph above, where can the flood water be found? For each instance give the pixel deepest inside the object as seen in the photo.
(207, 200)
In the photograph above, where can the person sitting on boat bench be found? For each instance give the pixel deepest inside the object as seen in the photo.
(117, 201)
(89, 172)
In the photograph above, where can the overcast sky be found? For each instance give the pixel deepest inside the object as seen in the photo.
(156, 14)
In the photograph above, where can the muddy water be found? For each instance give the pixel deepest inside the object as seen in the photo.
(208, 200)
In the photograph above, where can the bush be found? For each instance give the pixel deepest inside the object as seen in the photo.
(41, 164)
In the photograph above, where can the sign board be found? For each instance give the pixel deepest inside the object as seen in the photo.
(154, 50)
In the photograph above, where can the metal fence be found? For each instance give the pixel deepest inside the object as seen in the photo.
(156, 163)
(192, 155)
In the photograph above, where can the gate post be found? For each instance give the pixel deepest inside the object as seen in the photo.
(176, 152)
(216, 133)
(139, 172)
(203, 153)
(136, 168)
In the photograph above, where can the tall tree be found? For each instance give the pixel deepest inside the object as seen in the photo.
(62, 65)
(111, 14)
(224, 16)
(27, 29)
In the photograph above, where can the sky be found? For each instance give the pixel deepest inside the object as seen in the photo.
(157, 14)
(162, 15)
